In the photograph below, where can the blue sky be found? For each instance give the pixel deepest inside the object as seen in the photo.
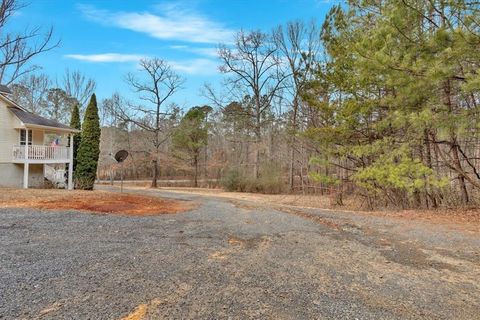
(105, 39)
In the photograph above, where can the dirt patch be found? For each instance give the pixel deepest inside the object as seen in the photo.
(250, 243)
(237, 244)
(244, 205)
(91, 201)
(311, 217)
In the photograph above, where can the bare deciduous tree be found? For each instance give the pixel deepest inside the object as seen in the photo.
(31, 92)
(256, 71)
(299, 44)
(78, 86)
(18, 49)
(155, 84)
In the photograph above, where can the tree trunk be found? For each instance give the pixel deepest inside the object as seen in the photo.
(205, 174)
(291, 169)
(155, 173)
(453, 139)
(428, 155)
(195, 175)
(256, 163)
(292, 146)
(461, 177)
(155, 168)
(258, 135)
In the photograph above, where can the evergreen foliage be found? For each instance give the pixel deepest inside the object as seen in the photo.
(89, 149)
(191, 136)
(398, 89)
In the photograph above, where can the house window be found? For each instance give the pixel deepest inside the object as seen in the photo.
(23, 137)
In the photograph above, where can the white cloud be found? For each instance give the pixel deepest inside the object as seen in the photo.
(195, 66)
(210, 52)
(207, 51)
(105, 57)
(179, 47)
(199, 66)
(173, 23)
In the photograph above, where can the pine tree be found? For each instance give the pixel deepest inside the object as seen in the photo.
(397, 90)
(89, 149)
(191, 136)
(77, 138)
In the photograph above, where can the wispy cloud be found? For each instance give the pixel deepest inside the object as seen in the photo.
(195, 66)
(210, 52)
(206, 51)
(174, 22)
(106, 57)
(199, 66)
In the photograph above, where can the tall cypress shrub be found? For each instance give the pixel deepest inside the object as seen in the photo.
(77, 137)
(89, 149)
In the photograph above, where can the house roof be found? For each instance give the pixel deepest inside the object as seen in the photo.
(31, 119)
(5, 89)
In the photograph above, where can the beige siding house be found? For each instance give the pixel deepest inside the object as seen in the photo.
(31, 147)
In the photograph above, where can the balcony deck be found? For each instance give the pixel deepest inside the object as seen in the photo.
(40, 154)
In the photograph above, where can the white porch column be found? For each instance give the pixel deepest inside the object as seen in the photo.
(70, 164)
(26, 164)
(25, 175)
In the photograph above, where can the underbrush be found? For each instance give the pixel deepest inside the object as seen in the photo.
(446, 198)
(270, 181)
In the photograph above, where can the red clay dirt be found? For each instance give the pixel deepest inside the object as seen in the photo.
(91, 201)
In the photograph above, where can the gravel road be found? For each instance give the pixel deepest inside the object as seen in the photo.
(231, 259)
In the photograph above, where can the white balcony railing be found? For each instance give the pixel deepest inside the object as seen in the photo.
(41, 153)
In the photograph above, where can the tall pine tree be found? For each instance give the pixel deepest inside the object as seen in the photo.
(89, 149)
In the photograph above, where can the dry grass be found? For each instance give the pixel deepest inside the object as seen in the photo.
(137, 314)
(468, 217)
(91, 201)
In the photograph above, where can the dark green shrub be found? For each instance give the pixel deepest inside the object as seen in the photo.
(89, 149)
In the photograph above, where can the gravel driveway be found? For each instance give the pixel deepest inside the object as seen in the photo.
(231, 259)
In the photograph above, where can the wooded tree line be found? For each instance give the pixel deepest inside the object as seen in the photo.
(397, 100)
(381, 102)
(53, 98)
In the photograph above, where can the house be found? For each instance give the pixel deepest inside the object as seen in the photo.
(32, 147)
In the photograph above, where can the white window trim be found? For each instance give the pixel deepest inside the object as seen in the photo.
(27, 131)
